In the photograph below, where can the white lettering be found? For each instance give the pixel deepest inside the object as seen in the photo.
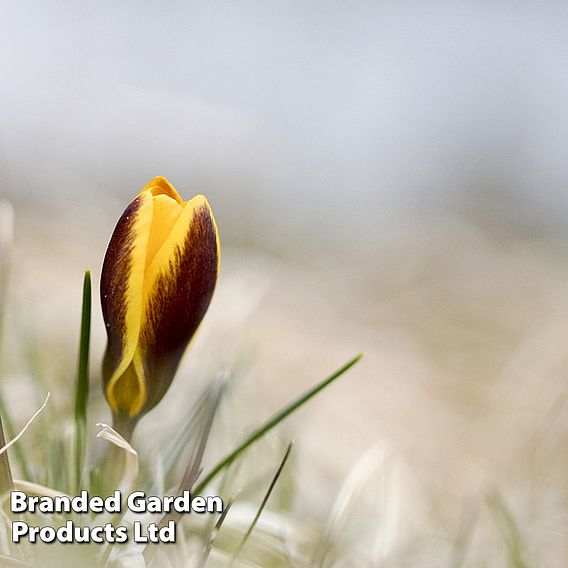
(18, 502)
(19, 528)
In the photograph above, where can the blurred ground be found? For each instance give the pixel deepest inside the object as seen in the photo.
(465, 331)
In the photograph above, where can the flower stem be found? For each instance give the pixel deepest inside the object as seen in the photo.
(113, 461)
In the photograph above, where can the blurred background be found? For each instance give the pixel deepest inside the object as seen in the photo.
(388, 177)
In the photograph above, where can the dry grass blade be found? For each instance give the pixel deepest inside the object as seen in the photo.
(6, 482)
(193, 469)
(185, 433)
(371, 482)
(130, 473)
(22, 431)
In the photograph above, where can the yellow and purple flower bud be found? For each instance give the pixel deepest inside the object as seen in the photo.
(158, 278)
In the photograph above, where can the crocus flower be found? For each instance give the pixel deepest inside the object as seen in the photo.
(158, 277)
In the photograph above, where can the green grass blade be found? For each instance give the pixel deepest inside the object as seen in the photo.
(264, 501)
(82, 384)
(514, 541)
(272, 422)
(214, 533)
(460, 545)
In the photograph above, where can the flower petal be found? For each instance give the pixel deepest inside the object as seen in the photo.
(161, 186)
(178, 286)
(122, 281)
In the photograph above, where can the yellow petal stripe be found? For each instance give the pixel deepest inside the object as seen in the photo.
(134, 380)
